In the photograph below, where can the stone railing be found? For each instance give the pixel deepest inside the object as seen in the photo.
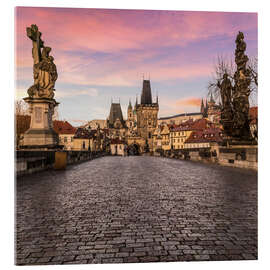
(244, 156)
(28, 162)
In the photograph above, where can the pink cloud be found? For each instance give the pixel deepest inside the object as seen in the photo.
(116, 31)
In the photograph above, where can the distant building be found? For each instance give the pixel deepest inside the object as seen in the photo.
(179, 134)
(90, 140)
(157, 139)
(118, 147)
(94, 124)
(131, 121)
(115, 122)
(84, 140)
(204, 138)
(165, 138)
(180, 118)
(66, 133)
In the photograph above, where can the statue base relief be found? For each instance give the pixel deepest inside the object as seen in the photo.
(41, 134)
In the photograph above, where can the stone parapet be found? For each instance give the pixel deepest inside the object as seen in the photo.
(28, 162)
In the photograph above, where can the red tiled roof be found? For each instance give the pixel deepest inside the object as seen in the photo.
(207, 135)
(63, 127)
(199, 124)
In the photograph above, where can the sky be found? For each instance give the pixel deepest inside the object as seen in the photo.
(102, 55)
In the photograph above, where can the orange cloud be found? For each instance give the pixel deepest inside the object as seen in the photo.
(191, 102)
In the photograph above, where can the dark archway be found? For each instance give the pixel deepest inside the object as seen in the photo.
(134, 149)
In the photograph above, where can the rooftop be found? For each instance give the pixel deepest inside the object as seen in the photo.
(207, 135)
(63, 127)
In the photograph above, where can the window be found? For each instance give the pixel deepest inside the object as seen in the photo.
(83, 145)
(65, 139)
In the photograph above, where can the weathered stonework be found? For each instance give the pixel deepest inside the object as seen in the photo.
(41, 133)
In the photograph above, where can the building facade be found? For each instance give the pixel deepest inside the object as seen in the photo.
(66, 133)
(179, 134)
(118, 147)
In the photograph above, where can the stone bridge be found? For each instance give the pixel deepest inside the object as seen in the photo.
(136, 209)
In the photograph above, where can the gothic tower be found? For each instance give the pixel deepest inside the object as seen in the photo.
(130, 118)
(147, 113)
(115, 115)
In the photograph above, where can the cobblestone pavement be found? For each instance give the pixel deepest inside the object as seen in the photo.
(136, 209)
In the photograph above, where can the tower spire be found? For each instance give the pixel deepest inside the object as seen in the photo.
(202, 106)
(129, 105)
(146, 97)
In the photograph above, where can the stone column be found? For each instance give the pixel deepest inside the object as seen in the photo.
(41, 133)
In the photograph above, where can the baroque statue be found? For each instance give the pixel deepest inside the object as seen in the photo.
(235, 98)
(241, 90)
(44, 69)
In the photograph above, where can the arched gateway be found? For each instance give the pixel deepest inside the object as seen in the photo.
(134, 149)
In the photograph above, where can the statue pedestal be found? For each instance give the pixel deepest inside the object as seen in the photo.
(41, 135)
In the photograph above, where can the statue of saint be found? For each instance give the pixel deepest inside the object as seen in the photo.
(44, 69)
(241, 91)
(226, 90)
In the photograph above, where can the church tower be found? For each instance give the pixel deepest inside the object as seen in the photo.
(147, 113)
(130, 118)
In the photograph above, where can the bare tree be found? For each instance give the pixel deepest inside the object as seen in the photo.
(21, 108)
(22, 120)
(221, 67)
(228, 66)
(253, 67)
